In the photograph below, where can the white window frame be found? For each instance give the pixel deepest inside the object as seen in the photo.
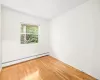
(28, 33)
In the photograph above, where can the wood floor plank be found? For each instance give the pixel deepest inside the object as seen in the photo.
(44, 68)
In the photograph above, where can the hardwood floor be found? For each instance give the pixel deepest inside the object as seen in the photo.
(44, 68)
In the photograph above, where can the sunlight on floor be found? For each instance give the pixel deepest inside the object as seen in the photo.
(33, 76)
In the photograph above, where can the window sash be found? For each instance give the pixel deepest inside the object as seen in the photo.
(25, 37)
(24, 33)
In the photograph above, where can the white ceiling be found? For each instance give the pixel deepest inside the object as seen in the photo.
(43, 8)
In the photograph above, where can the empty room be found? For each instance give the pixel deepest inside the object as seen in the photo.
(49, 39)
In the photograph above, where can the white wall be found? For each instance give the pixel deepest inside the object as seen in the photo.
(96, 55)
(11, 47)
(0, 37)
(75, 37)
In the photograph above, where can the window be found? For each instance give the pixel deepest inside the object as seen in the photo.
(29, 34)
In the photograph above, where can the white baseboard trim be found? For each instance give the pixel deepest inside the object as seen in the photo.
(9, 63)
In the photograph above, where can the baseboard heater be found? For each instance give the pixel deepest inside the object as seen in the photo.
(9, 63)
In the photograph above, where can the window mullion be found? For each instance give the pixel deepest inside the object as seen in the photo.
(25, 34)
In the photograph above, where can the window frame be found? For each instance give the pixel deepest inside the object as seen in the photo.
(25, 33)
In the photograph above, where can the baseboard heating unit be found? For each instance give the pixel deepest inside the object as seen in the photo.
(9, 63)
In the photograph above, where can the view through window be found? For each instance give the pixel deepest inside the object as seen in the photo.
(29, 34)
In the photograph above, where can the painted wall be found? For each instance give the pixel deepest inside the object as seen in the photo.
(75, 37)
(0, 38)
(96, 55)
(11, 47)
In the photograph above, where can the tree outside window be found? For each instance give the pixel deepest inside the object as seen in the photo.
(29, 34)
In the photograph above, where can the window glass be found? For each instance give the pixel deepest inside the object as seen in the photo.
(29, 34)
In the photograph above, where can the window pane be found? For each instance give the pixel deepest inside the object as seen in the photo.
(23, 38)
(30, 38)
(23, 29)
(32, 29)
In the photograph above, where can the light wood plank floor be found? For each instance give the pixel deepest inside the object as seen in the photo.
(44, 68)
